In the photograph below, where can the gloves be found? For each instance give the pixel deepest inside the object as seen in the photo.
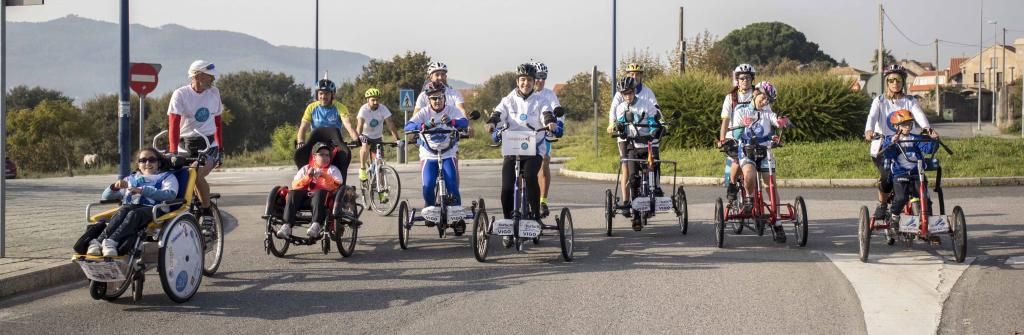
(299, 144)
(445, 119)
(363, 138)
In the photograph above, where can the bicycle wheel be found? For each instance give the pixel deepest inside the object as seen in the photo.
(403, 226)
(719, 222)
(274, 245)
(800, 221)
(959, 234)
(682, 212)
(213, 243)
(565, 234)
(609, 211)
(382, 199)
(180, 263)
(481, 235)
(345, 237)
(864, 234)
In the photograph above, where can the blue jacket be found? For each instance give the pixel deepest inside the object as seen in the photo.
(904, 162)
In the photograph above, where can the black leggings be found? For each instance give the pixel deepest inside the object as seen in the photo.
(333, 137)
(633, 167)
(123, 227)
(530, 167)
(884, 175)
(301, 199)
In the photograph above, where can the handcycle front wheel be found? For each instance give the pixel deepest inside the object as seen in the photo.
(344, 234)
(565, 234)
(864, 234)
(481, 233)
(275, 245)
(800, 221)
(609, 211)
(403, 225)
(180, 261)
(959, 235)
(213, 243)
(682, 212)
(719, 222)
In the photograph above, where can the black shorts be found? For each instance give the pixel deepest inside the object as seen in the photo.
(193, 145)
(373, 143)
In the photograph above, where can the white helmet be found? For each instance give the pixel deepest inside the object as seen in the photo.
(742, 68)
(542, 70)
(436, 66)
(202, 66)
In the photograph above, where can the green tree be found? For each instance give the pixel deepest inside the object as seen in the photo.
(490, 93)
(651, 63)
(46, 136)
(388, 76)
(887, 58)
(576, 97)
(259, 102)
(703, 56)
(24, 97)
(764, 42)
(100, 114)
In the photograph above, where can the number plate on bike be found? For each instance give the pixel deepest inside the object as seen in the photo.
(527, 228)
(641, 204)
(767, 164)
(519, 143)
(664, 204)
(936, 223)
(102, 271)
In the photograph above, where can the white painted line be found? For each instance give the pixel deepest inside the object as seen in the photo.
(1015, 260)
(143, 78)
(901, 294)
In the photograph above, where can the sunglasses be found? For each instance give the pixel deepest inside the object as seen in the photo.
(894, 80)
(145, 160)
(744, 77)
(436, 97)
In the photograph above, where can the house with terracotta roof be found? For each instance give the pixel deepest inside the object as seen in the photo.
(857, 78)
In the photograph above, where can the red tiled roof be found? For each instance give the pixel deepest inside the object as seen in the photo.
(920, 88)
(954, 65)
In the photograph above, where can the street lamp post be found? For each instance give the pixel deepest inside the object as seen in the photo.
(994, 86)
(981, 56)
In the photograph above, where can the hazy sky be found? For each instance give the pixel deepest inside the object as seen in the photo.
(478, 38)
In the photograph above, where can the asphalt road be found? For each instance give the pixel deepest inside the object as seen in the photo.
(654, 281)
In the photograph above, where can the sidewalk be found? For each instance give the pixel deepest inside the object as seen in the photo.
(969, 129)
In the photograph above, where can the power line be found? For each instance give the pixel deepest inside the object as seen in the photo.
(902, 33)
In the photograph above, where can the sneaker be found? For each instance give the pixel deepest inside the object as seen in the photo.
(730, 192)
(109, 248)
(880, 211)
(314, 230)
(637, 226)
(748, 206)
(383, 197)
(894, 219)
(363, 176)
(629, 209)
(544, 212)
(94, 248)
(780, 234)
(285, 231)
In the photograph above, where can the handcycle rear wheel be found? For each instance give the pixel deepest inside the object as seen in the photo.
(800, 221)
(864, 234)
(959, 235)
(565, 234)
(719, 222)
(481, 235)
(403, 228)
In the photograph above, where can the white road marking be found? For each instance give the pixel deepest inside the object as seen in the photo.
(1015, 260)
(901, 294)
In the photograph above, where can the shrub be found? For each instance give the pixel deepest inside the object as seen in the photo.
(282, 142)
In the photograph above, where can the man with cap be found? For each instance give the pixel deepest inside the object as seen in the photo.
(193, 120)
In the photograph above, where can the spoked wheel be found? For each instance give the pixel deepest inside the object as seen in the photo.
(682, 213)
(325, 243)
(383, 199)
(864, 233)
(565, 234)
(719, 222)
(609, 211)
(403, 227)
(214, 243)
(275, 245)
(481, 234)
(959, 234)
(181, 260)
(345, 237)
(800, 221)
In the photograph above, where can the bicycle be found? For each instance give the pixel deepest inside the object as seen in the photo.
(383, 184)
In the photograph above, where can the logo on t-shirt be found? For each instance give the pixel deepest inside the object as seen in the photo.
(522, 117)
(374, 123)
(888, 123)
(202, 114)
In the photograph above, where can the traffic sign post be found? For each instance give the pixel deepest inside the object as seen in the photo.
(406, 99)
(143, 78)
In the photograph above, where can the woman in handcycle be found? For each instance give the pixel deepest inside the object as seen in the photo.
(438, 115)
(638, 120)
(760, 126)
(310, 188)
(139, 191)
(522, 110)
(902, 160)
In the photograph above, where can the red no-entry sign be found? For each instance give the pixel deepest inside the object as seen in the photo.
(142, 77)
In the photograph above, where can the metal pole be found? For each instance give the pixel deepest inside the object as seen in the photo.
(3, 127)
(594, 93)
(1004, 105)
(938, 103)
(142, 121)
(615, 63)
(981, 55)
(682, 43)
(995, 74)
(881, 48)
(316, 45)
(124, 106)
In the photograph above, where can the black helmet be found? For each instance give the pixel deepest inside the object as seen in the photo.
(526, 70)
(626, 84)
(434, 87)
(321, 145)
(897, 69)
(326, 85)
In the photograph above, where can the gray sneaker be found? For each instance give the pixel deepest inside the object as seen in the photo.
(94, 248)
(285, 231)
(314, 230)
(109, 248)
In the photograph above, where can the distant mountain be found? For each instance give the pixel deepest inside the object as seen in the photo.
(80, 56)
(458, 84)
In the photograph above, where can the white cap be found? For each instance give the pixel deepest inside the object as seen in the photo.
(203, 67)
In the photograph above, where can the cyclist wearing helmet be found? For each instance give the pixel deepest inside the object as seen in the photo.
(635, 71)
(326, 118)
(370, 122)
(634, 110)
(879, 121)
(545, 169)
(903, 159)
(739, 100)
(196, 107)
(438, 72)
(522, 110)
(439, 115)
(760, 125)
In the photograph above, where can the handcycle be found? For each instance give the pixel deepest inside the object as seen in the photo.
(383, 187)
(521, 226)
(185, 251)
(645, 198)
(341, 224)
(438, 215)
(917, 221)
(763, 213)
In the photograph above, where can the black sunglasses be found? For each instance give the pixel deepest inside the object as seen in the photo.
(148, 160)
(436, 97)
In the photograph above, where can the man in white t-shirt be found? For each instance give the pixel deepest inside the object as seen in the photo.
(194, 118)
(371, 120)
(545, 150)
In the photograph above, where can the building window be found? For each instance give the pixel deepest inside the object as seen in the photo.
(977, 76)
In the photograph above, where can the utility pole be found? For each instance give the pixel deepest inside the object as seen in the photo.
(682, 43)
(938, 102)
(881, 48)
(1002, 85)
(981, 56)
(316, 46)
(615, 63)
(995, 75)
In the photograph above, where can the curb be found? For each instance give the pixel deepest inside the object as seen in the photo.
(468, 162)
(38, 278)
(807, 183)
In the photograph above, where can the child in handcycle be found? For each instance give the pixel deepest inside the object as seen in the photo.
(139, 191)
(760, 126)
(310, 189)
(438, 115)
(902, 160)
(628, 114)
